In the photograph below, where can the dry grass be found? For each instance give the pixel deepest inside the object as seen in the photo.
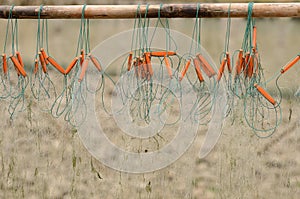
(43, 157)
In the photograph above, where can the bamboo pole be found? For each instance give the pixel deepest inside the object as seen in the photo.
(207, 10)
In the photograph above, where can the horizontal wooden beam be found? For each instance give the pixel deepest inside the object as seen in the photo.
(207, 10)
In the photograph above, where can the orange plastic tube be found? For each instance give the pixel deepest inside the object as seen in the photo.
(148, 62)
(20, 58)
(254, 38)
(247, 56)
(184, 70)
(45, 56)
(265, 94)
(71, 65)
(221, 70)
(256, 64)
(4, 62)
(246, 64)
(290, 64)
(84, 68)
(129, 61)
(43, 63)
(239, 63)
(228, 62)
(95, 62)
(162, 53)
(36, 66)
(81, 57)
(209, 71)
(250, 67)
(18, 65)
(168, 66)
(197, 68)
(56, 65)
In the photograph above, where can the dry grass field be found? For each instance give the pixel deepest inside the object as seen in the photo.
(43, 157)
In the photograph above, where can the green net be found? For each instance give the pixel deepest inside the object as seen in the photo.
(14, 79)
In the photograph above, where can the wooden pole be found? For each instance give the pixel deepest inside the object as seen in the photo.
(207, 10)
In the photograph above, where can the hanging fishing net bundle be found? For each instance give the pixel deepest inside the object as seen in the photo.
(147, 74)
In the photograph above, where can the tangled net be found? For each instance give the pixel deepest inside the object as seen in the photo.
(13, 84)
(145, 71)
(147, 74)
(41, 85)
(261, 111)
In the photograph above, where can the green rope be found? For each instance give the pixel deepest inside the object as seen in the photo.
(73, 91)
(6, 80)
(16, 34)
(16, 91)
(260, 115)
(195, 33)
(247, 42)
(227, 36)
(82, 35)
(7, 27)
(38, 34)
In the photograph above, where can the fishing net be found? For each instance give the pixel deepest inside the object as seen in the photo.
(14, 79)
(76, 114)
(41, 84)
(146, 75)
(262, 112)
(149, 73)
(205, 85)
